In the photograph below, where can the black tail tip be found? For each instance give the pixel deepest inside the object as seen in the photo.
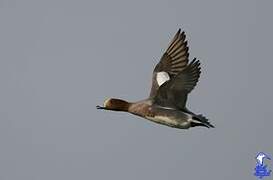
(210, 125)
(207, 125)
(201, 120)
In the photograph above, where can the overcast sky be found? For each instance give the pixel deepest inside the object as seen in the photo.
(61, 58)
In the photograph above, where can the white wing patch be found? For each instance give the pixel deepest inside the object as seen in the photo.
(162, 77)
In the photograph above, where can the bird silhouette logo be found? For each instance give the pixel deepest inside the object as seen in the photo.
(260, 158)
(261, 168)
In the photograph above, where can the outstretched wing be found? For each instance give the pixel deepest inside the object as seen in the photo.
(174, 93)
(173, 61)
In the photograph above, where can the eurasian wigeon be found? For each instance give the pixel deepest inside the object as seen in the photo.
(173, 79)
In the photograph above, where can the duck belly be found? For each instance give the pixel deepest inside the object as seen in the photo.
(171, 118)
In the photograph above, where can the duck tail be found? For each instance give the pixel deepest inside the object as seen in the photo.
(200, 120)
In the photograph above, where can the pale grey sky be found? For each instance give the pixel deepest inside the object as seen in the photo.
(60, 58)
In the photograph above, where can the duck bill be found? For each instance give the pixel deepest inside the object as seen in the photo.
(100, 107)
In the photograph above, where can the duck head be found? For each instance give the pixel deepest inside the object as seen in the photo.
(115, 105)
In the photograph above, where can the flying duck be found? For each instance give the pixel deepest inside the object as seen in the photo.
(173, 79)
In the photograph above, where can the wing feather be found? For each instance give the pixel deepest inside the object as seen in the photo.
(174, 93)
(173, 61)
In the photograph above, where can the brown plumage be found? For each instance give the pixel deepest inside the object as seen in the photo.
(173, 79)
